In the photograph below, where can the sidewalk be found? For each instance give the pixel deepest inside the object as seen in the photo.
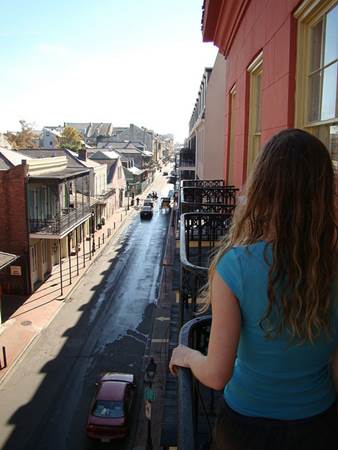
(39, 309)
(159, 348)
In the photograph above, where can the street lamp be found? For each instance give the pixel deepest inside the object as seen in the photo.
(149, 397)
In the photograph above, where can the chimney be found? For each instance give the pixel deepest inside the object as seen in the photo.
(83, 154)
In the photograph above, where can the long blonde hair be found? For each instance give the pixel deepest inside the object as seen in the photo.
(290, 201)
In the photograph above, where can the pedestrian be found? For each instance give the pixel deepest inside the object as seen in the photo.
(273, 291)
(137, 201)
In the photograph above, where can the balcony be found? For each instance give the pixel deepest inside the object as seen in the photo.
(200, 235)
(202, 183)
(58, 203)
(197, 405)
(208, 198)
(187, 160)
(105, 195)
(60, 225)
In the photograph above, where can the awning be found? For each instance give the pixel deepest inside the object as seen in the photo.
(6, 259)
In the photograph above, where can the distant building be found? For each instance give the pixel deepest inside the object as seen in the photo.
(197, 123)
(134, 133)
(48, 211)
(92, 132)
(4, 142)
(115, 173)
(50, 137)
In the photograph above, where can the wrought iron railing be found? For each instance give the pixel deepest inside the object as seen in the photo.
(196, 404)
(186, 163)
(200, 235)
(106, 194)
(208, 198)
(61, 223)
(203, 183)
(209, 194)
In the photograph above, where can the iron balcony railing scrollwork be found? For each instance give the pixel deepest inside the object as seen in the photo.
(197, 404)
(61, 223)
(106, 194)
(200, 234)
(202, 183)
(210, 198)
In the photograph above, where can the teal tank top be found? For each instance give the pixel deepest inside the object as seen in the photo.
(272, 378)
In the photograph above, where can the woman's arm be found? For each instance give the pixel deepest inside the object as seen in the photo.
(215, 369)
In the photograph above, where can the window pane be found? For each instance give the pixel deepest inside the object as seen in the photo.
(258, 102)
(329, 95)
(316, 46)
(314, 96)
(331, 36)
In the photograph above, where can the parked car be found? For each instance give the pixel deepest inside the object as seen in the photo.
(146, 212)
(148, 202)
(110, 410)
(165, 174)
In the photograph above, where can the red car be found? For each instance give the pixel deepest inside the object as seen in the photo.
(108, 417)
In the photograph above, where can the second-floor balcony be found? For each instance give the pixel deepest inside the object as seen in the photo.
(200, 236)
(208, 198)
(58, 203)
(105, 195)
(187, 159)
(202, 183)
(62, 223)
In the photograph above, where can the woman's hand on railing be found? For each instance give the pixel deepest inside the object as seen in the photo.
(180, 358)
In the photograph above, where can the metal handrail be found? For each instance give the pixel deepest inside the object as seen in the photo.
(186, 420)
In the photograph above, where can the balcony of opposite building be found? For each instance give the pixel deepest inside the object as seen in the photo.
(58, 203)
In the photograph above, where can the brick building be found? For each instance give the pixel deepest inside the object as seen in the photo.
(282, 71)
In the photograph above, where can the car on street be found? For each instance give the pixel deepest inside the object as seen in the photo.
(109, 415)
(146, 212)
(148, 202)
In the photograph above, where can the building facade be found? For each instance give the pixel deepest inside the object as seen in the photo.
(196, 140)
(281, 72)
(46, 213)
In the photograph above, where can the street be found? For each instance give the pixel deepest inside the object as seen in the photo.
(103, 326)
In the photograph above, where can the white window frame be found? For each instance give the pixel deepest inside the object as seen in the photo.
(255, 70)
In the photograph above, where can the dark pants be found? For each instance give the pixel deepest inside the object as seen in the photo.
(234, 431)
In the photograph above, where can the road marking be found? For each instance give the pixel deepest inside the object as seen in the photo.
(159, 341)
(162, 318)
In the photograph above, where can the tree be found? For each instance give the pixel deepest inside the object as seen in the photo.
(22, 139)
(71, 139)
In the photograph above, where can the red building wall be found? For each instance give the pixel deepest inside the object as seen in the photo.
(14, 237)
(268, 26)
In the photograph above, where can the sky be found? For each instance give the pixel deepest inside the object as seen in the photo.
(119, 61)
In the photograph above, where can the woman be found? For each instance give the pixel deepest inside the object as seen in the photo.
(272, 288)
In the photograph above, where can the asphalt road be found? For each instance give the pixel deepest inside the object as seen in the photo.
(103, 326)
